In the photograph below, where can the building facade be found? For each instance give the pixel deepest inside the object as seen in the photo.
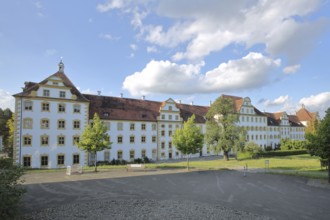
(51, 115)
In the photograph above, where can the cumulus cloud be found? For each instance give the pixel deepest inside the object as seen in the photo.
(252, 71)
(202, 27)
(6, 100)
(319, 102)
(152, 49)
(291, 69)
(276, 102)
(108, 37)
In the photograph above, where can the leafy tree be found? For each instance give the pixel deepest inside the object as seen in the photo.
(10, 139)
(312, 126)
(319, 142)
(189, 139)
(222, 130)
(5, 115)
(252, 148)
(10, 189)
(95, 138)
(288, 144)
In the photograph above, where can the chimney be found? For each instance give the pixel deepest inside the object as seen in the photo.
(121, 95)
(143, 97)
(192, 103)
(180, 101)
(98, 93)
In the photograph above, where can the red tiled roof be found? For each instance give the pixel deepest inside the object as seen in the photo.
(186, 111)
(238, 101)
(304, 115)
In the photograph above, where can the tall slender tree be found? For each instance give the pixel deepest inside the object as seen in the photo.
(222, 130)
(95, 138)
(319, 142)
(189, 139)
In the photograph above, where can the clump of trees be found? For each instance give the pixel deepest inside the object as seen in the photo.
(189, 139)
(318, 142)
(222, 130)
(95, 138)
(288, 144)
(252, 148)
(7, 130)
(11, 189)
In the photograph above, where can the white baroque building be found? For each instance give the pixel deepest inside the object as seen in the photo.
(51, 115)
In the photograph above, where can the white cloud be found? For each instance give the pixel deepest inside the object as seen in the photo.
(133, 46)
(202, 27)
(277, 102)
(252, 71)
(291, 69)
(38, 5)
(108, 37)
(50, 52)
(6, 100)
(319, 102)
(152, 49)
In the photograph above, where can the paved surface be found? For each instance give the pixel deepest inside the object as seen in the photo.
(276, 196)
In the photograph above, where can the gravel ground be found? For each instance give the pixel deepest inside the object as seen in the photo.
(140, 209)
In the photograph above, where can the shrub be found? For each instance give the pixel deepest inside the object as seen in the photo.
(282, 153)
(10, 189)
(268, 148)
(253, 149)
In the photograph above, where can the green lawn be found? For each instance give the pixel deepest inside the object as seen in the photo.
(298, 165)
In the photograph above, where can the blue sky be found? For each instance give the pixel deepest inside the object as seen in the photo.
(275, 52)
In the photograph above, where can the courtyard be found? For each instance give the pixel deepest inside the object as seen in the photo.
(173, 194)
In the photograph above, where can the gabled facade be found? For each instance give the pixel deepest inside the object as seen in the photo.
(51, 115)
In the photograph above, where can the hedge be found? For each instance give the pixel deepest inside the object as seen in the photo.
(281, 153)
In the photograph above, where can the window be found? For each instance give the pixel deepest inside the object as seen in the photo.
(131, 139)
(176, 117)
(131, 154)
(170, 126)
(60, 159)
(154, 139)
(163, 145)
(45, 107)
(27, 140)
(143, 139)
(163, 117)
(106, 155)
(119, 155)
(162, 154)
(44, 161)
(27, 123)
(119, 126)
(55, 83)
(60, 140)
(119, 139)
(27, 161)
(61, 124)
(170, 108)
(143, 153)
(170, 133)
(132, 126)
(62, 94)
(143, 126)
(44, 124)
(75, 159)
(45, 92)
(61, 107)
(170, 145)
(76, 140)
(163, 133)
(28, 105)
(163, 126)
(76, 124)
(44, 140)
(76, 108)
(170, 117)
(153, 127)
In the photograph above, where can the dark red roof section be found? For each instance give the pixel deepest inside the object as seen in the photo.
(274, 119)
(31, 86)
(186, 111)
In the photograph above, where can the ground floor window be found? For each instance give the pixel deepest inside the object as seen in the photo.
(106, 155)
(44, 160)
(60, 159)
(76, 159)
(131, 154)
(119, 155)
(143, 153)
(27, 161)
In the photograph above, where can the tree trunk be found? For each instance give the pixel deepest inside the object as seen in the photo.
(226, 156)
(188, 162)
(95, 163)
(329, 170)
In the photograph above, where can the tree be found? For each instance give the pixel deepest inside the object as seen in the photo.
(252, 148)
(10, 189)
(10, 139)
(189, 139)
(319, 142)
(95, 138)
(5, 115)
(222, 130)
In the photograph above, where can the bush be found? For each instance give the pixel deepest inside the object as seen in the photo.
(10, 189)
(253, 149)
(268, 148)
(282, 153)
